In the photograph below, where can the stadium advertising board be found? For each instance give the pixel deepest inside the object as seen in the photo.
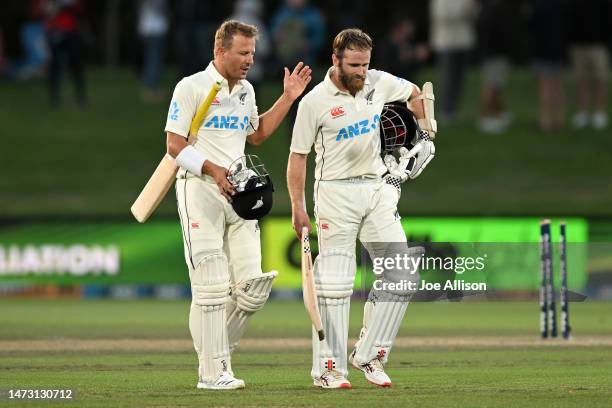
(504, 252)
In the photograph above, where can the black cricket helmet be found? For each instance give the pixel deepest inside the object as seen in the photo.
(253, 198)
(398, 127)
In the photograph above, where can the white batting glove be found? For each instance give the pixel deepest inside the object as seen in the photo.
(423, 152)
(396, 170)
(404, 161)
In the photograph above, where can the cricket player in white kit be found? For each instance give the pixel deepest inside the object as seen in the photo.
(352, 199)
(222, 250)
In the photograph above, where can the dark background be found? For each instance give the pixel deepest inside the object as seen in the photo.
(109, 46)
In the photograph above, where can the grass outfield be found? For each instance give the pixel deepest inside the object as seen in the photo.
(29, 319)
(94, 162)
(138, 353)
(555, 377)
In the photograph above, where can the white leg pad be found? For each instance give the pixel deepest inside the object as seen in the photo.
(383, 315)
(210, 293)
(378, 334)
(247, 298)
(334, 273)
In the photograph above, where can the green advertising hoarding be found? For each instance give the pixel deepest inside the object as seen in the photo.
(509, 246)
(152, 253)
(93, 253)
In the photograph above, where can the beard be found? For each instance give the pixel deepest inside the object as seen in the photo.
(353, 82)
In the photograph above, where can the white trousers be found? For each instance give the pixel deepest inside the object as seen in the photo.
(210, 225)
(364, 209)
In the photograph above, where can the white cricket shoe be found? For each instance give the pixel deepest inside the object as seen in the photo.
(331, 379)
(374, 371)
(226, 381)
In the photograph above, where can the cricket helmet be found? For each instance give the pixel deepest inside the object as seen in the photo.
(254, 188)
(398, 127)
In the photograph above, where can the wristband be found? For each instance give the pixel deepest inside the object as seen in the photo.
(191, 160)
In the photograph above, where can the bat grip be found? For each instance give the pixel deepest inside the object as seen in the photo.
(304, 232)
(321, 335)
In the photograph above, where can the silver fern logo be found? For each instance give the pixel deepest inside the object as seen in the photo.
(242, 98)
(369, 96)
(258, 204)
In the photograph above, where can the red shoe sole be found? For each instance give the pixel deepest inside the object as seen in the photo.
(385, 385)
(343, 386)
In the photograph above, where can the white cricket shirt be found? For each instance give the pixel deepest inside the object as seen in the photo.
(343, 128)
(231, 117)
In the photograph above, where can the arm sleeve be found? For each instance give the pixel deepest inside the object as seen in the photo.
(394, 88)
(182, 109)
(304, 129)
(254, 118)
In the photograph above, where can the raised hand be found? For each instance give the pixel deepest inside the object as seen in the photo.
(295, 83)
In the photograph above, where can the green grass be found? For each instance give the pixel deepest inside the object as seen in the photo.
(558, 375)
(94, 162)
(91, 319)
(522, 378)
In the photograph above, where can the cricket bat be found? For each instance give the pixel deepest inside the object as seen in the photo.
(164, 175)
(429, 122)
(308, 286)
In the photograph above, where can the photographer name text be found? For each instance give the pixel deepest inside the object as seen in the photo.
(409, 285)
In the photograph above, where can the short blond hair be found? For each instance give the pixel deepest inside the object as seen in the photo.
(352, 39)
(226, 32)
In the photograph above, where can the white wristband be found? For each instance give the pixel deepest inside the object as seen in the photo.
(191, 160)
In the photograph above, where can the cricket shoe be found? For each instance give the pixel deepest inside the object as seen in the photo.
(374, 371)
(225, 382)
(331, 379)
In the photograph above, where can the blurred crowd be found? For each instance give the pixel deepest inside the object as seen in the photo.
(568, 40)
(51, 42)
(567, 37)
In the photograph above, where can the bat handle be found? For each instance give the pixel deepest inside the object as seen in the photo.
(321, 335)
(304, 232)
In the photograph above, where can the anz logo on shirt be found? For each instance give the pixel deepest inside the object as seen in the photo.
(358, 128)
(174, 111)
(227, 122)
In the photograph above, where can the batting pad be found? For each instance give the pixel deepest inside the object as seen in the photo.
(247, 298)
(210, 293)
(382, 327)
(334, 273)
(383, 313)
